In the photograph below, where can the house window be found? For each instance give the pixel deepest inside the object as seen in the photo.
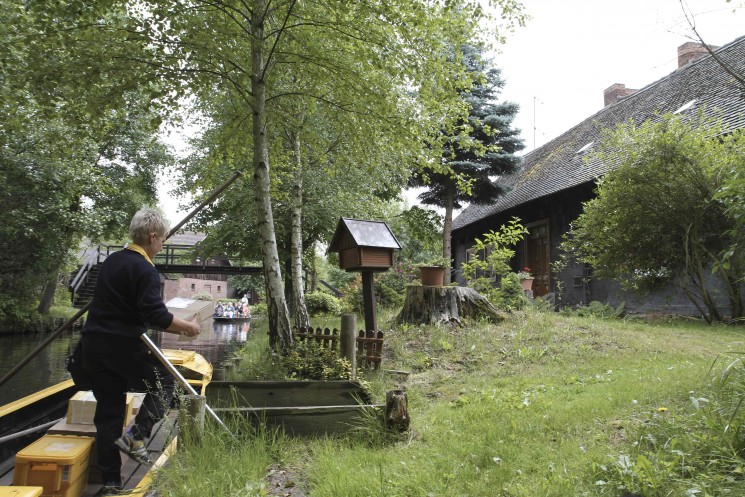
(208, 289)
(219, 289)
(193, 286)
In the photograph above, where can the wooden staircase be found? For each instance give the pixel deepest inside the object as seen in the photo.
(84, 292)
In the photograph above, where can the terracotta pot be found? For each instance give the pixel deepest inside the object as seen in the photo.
(527, 283)
(432, 275)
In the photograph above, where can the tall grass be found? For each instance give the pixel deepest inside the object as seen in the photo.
(540, 405)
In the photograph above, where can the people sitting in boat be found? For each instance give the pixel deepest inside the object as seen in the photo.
(246, 310)
(230, 312)
(219, 309)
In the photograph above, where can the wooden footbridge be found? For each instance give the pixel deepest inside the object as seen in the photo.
(173, 259)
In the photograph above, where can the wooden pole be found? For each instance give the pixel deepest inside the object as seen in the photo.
(368, 299)
(348, 345)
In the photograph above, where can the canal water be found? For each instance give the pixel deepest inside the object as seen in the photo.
(216, 341)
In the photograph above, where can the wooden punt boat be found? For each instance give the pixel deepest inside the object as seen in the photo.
(26, 420)
(226, 319)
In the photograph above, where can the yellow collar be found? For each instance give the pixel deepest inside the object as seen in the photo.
(136, 248)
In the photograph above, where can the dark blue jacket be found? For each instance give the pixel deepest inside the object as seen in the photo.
(127, 300)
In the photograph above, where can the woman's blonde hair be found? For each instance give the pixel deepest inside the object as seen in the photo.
(145, 221)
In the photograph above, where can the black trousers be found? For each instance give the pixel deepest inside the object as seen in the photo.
(116, 365)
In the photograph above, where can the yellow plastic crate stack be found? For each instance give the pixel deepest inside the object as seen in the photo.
(57, 463)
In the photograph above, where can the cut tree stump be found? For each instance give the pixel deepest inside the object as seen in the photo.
(445, 304)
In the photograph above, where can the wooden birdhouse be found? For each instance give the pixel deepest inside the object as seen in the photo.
(364, 245)
(367, 247)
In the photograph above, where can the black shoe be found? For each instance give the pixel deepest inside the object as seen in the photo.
(134, 448)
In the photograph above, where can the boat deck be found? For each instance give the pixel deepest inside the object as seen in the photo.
(135, 476)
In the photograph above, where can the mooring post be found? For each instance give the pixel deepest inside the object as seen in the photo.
(349, 340)
(397, 411)
(191, 418)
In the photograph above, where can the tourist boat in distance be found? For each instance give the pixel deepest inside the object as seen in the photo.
(226, 319)
(24, 423)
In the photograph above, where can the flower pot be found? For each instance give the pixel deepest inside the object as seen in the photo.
(432, 275)
(527, 283)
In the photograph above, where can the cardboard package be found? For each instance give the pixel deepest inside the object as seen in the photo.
(190, 310)
(82, 407)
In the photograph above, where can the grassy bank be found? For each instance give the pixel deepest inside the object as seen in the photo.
(538, 405)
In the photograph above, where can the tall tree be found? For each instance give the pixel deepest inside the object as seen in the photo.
(477, 150)
(77, 146)
(371, 52)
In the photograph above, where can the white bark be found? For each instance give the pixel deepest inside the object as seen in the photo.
(302, 320)
(279, 316)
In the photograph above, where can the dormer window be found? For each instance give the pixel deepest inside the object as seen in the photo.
(685, 107)
(584, 149)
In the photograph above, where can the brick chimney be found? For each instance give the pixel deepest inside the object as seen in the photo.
(690, 51)
(615, 93)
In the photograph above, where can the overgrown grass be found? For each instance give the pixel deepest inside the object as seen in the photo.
(540, 405)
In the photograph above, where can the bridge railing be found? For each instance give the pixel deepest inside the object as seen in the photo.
(90, 261)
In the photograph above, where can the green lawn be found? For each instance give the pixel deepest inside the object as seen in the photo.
(540, 405)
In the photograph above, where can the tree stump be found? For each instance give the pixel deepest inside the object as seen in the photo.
(445, 304)
(397, 411)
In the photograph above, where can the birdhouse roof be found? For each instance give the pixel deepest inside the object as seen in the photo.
(358, 233)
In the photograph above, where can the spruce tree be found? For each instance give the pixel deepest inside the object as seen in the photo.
(477, 150)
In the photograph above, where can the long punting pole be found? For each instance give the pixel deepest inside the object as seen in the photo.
(87, 306)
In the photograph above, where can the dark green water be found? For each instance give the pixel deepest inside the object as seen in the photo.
(48, 367)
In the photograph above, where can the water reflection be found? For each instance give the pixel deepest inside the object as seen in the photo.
(216, 341)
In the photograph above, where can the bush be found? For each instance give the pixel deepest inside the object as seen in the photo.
(310, 361)
(596, 309)
(510, 295)
(202, 296)
(321, 303)
(259, 310)
(388, 297)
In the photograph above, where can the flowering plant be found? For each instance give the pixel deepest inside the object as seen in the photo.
(524, 274)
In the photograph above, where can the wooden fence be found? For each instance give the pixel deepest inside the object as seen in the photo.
(369, 343)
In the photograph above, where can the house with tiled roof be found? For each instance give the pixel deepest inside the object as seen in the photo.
(548, 191)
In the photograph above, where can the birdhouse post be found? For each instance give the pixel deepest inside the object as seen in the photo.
(367, 247)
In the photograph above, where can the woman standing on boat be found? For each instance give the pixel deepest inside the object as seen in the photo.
(127, 302)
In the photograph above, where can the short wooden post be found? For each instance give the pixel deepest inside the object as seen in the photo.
(191, 418)
(349, 340)
(397, 410)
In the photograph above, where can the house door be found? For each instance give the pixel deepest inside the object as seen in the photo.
(538, 257)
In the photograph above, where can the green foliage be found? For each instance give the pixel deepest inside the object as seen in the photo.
(510, 295)
(658, 217)
(322, 304)
(596, 309)
(490, 263)
(259, 309)
(387, 296)
(202, 296)
(309, 360)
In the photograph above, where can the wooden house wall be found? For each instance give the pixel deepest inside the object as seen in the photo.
(579, 286)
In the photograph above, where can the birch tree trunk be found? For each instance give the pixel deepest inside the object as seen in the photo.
(302, 320)
(279, 317)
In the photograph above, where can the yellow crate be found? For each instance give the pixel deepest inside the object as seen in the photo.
(57, 463)
(20, 491)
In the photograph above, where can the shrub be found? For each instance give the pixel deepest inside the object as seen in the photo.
(388, 297)
(202, 296)
(596, 309)
(311, 361)
(321, 303)
(259, 310)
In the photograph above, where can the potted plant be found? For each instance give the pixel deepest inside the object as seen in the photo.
(526, 278)
(433, 271)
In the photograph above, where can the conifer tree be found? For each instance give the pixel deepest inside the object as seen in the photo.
(477, 150)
